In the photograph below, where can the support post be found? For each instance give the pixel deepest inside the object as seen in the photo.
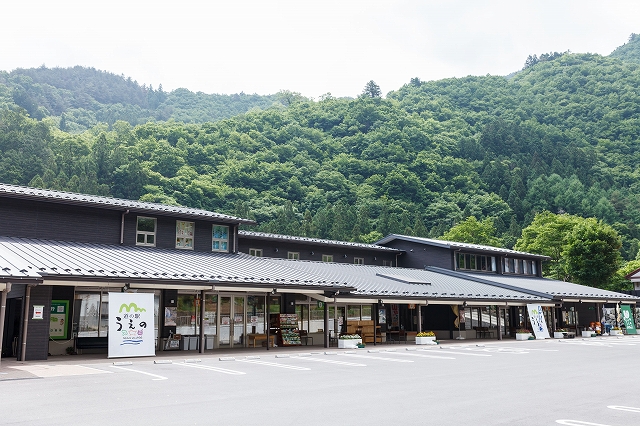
(499, 316)
(267, 317)
(25, 323)
(202, 307)
(326, 325)
(419, 318)
(553, 319)
(3, 309)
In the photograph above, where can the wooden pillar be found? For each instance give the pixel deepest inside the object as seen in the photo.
(499, 316)
(326, 325)
(267, 317)
(3, 309)
(419, 318)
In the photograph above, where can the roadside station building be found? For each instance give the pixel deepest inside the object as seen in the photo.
(62, 254)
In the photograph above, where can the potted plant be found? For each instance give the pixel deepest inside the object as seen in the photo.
(425, 338)
(560, 333)
(589, 332)
(349, 341)
(616, 331)
(523, 334)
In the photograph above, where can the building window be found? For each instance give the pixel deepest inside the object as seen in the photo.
(220, 238)
(475, 262)
(519, 266)
(294, 255)
(255, 252)
(387, 263)
(358, 260)
(327, 258)
(146, 231)
(184, 234)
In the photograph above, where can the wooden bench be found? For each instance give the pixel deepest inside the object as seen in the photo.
(260, 338)
(483, 332)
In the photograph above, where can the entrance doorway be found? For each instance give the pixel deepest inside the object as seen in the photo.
(232, 321)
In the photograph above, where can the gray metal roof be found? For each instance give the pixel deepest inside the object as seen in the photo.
(558, 290)
(22, 258)
(110, 203)
(389, 282)
(457, 245)
(314, 241)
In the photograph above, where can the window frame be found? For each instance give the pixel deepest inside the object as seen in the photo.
(183, 237)
(327, 258)
(221, 241)
(293, 255)
(358, 260)
(147, 233)
(255, 252)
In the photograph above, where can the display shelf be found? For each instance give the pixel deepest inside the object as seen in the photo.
(289, 334)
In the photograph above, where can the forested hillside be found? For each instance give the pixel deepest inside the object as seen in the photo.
(561, 135)
(80, 98)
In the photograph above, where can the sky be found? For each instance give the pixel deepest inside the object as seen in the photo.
(306, 46)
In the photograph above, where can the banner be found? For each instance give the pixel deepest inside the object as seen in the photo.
(59, 319)
(131, 325)
(627, 318)
(538, 323)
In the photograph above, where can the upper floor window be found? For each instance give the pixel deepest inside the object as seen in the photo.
(146, 231)
(387, 263)
(293, 255)
(220, 238)
(519, 266)
(255, 252)
(358, 260)
(184, 234)
(475, 262)
(327, 258)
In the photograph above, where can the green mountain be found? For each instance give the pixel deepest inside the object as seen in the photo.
(560, 135)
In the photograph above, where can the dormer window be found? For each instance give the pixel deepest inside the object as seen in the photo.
(220, 238)
(475, 262)
(146, 231)
(184, 234)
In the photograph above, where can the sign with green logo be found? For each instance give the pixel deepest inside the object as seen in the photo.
(627, 317)
(59, 319)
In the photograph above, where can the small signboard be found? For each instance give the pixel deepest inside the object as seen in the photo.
(59, 319)
(38, 312)
(131, 325)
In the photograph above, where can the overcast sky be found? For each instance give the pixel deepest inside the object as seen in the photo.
(312, 47)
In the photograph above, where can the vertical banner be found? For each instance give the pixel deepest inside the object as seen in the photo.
(539, 325)
(131, 325)
(59, 319)
(627, 318)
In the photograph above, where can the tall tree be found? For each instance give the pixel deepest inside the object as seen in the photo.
(473, 231)
(372, 90)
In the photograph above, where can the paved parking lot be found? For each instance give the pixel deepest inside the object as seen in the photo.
(569, 382)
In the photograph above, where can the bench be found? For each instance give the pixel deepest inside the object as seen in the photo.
(483, 332)
(91, 343)
(253, 338)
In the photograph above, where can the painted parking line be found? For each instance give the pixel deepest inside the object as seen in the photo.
(331, 361)
(421, 355)
(211, 368)
(578, 423)
(377, 358)
(623, 408)
(157, 377)
(273, 364)
(453, 353)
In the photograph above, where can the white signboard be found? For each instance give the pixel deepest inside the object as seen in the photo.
(131, 325)
(539, 325)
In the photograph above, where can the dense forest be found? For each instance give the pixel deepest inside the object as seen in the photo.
(560, 135)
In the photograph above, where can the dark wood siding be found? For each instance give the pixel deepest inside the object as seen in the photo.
(38, 330)
(420, 255)
(50, 221)
(313, 251)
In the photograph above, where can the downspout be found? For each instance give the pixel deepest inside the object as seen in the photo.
(3, 308)
(122, 226)
(25, 324)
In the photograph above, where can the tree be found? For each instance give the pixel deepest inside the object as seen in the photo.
(372, 90)
(592, 253)
(473, 231)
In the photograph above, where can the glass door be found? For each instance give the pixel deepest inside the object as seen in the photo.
(232, 321)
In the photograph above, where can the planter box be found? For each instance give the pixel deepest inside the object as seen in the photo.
(523, 336)
(616, 333)
(587, 333)
(558, 335)
(348, 343)
(427, 340)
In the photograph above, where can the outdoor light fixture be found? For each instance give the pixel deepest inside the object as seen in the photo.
(126, 287)
(276, 250)
(273, 291)
(312, 253)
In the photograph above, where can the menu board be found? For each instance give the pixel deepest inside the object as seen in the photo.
(289, 330)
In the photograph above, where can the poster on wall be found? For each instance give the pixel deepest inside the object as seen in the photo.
(538, 323)
(170, 316)
(59, 319)
(131, 325)
(627, 318)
